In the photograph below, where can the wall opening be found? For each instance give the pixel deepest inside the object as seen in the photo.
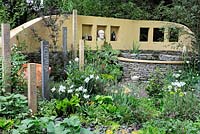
(114, 33)
(173, 34)
(158, 34)
(101, 28)
(144, 34)
(87, 32)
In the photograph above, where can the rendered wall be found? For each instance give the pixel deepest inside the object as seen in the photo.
(127, 31)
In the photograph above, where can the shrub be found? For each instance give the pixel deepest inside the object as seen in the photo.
(46, 125)
(18, 84)
(155, 85)
(172, 126)
(13, 106)
(181, 107)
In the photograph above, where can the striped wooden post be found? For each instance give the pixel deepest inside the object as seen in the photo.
(6, 57)
(81, 55)
(74, 34)
(32, 89)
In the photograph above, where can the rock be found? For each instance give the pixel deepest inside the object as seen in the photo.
(165, 57)
(135, 78)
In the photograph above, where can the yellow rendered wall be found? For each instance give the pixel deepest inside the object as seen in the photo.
(128, 31)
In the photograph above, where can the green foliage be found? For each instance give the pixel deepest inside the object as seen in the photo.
(151, 130)
(13, 12)
(145, 110)
(88, 78)
(5, 124)
(13, 106)
(18, 83)
(47, 108)
(17, 60)
(101, 69)
(185, 107)
(48, 125)
(105, 62)
(172, 126)
(155, 85)
(105, 8)
(101, 99)
(67, 107)
(136, 47)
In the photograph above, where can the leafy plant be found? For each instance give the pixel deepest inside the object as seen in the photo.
(48, 125)
(13, 106)
(17, 60)
(181, 107)
(101, 99)
(66, 107)
(172, 126)
(18, 83)
(47, 108)
(155, 85)
(135, 49)
(6, 125)
(145, 110)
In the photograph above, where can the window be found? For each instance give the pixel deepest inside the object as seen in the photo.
(158, 34)
(144, 34)
(114, 30)
(87, 32)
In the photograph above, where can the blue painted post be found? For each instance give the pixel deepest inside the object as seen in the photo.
(65, 54)
(45, 69)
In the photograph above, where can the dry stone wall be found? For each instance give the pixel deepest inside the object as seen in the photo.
(142, 71)
(131, 70)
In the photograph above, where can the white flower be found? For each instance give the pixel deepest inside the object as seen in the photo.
(70, 62)
(92, 76)
(181, 84)
(176, 75)
(53, 89)
(62, 88)
(80, 88)
(87, 80)
(77, 95)
(86, 96)
(69, 91)
(97, 77)
(174, 83)
(76, 59)
(179, 71)
(84, 90)
(178, 84)
(71, 86)
(170, 87)
(185, 93)
(187, 62)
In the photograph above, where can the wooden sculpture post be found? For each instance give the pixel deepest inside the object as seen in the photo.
(6, 57)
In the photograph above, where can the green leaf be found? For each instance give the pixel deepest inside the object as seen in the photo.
(51, 128)
(85, 131)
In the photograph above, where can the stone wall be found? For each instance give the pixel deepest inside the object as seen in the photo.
(133, 71)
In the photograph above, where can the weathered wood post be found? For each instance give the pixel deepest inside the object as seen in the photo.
(65, 54)
(81, 55)
(6, 57)
(74, 34)
(45, 69)
(32, 89)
